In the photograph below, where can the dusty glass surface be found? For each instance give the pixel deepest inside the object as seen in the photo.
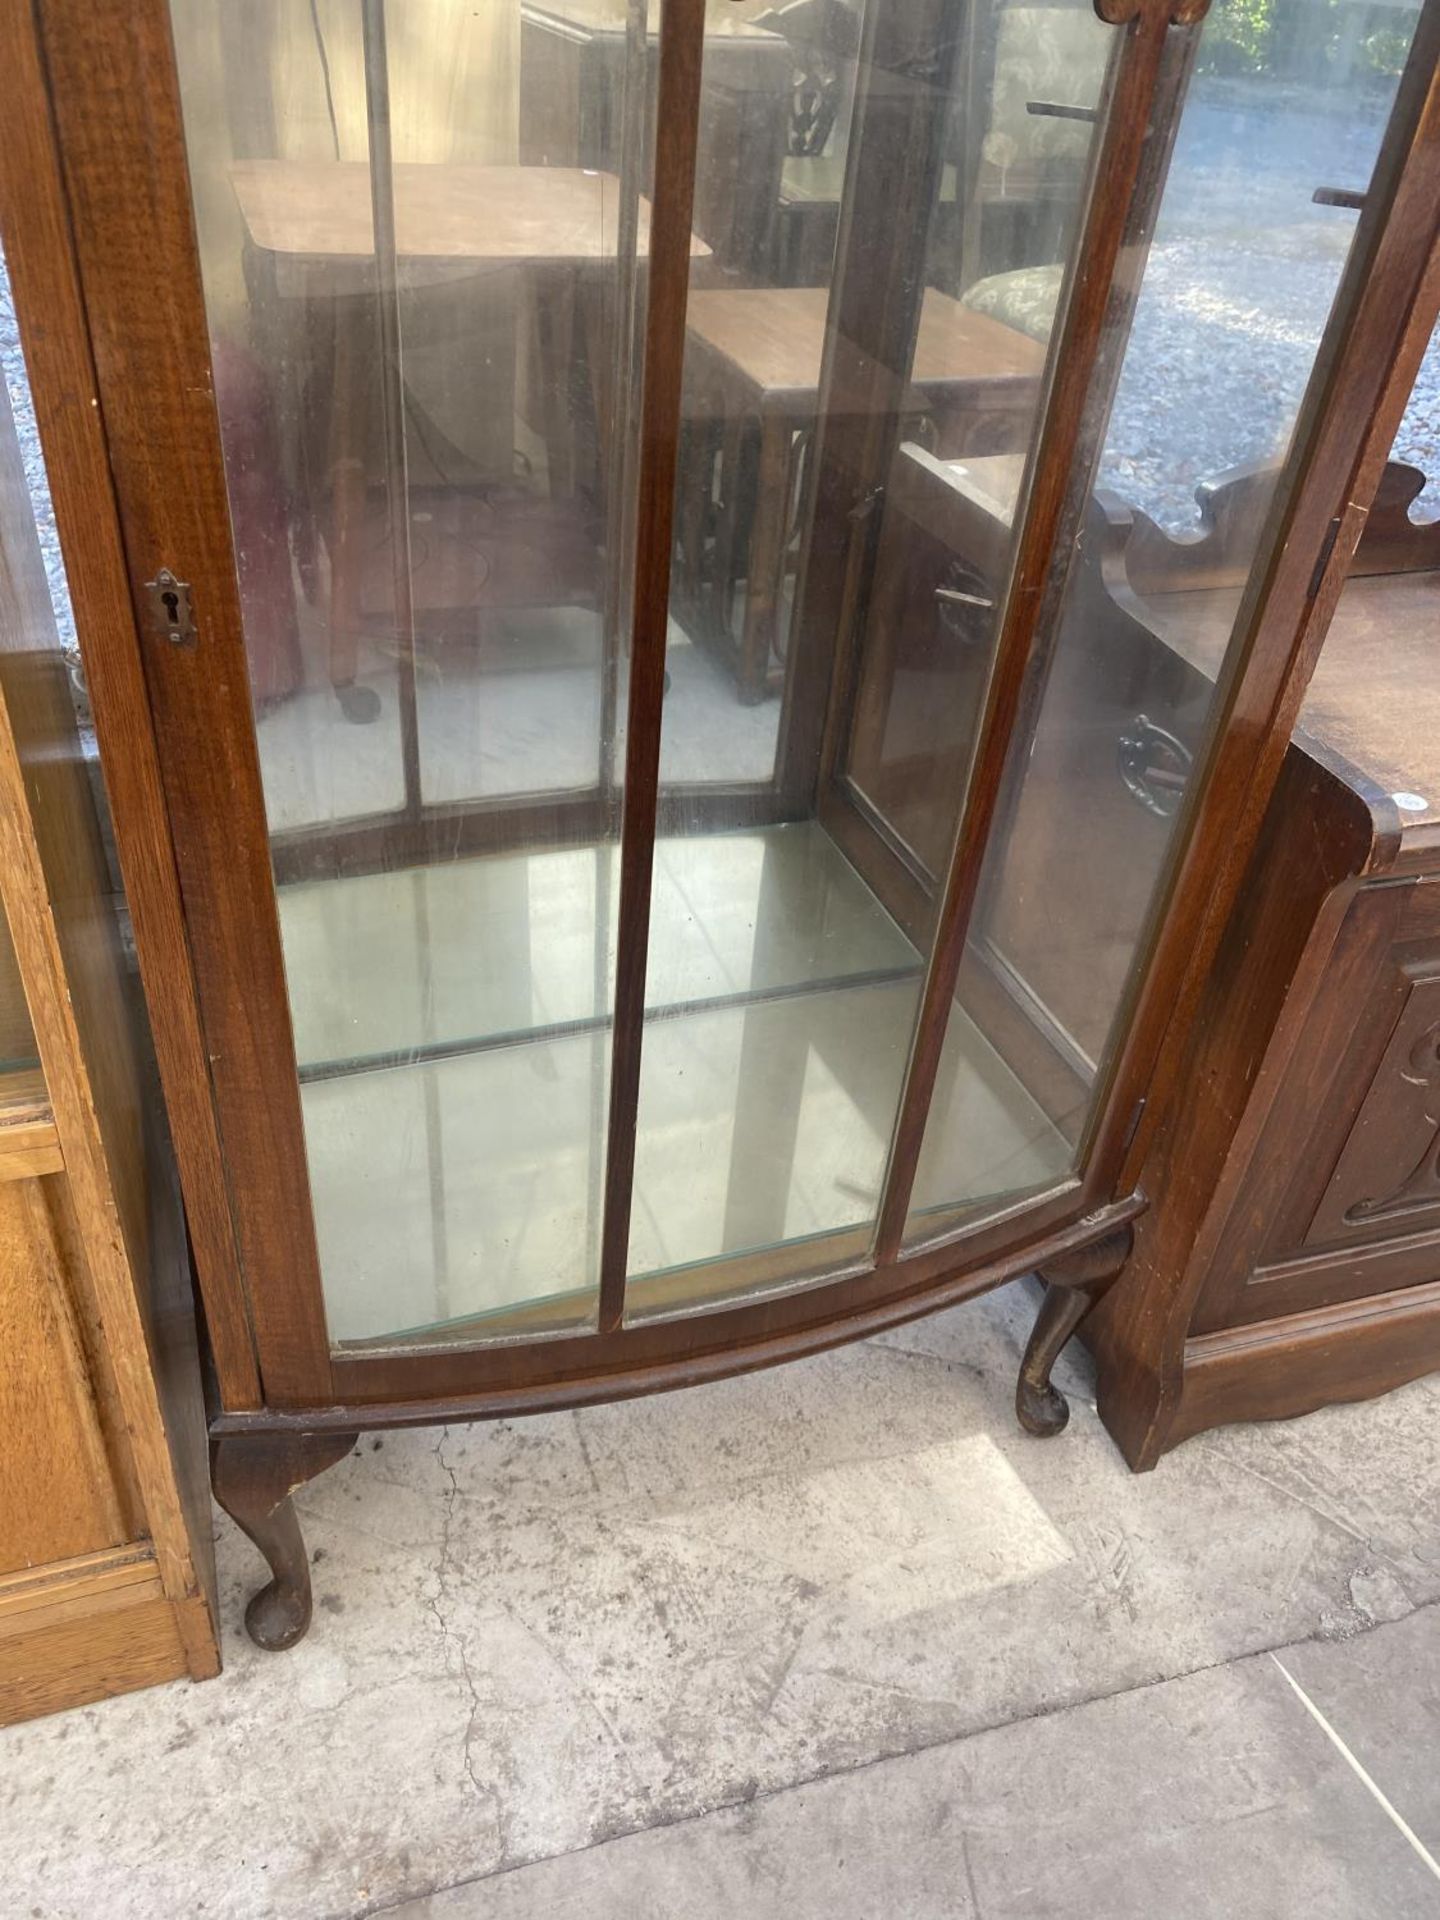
(424, 238)
(885, 278)
(29, 553)
(1277, 141)
(422, 230)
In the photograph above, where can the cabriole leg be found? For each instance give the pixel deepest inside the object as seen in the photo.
(253, 1476)
(1073, 1284)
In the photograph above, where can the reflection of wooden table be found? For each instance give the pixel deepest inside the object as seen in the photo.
(318, 212)
(312, 223)
(753, 366)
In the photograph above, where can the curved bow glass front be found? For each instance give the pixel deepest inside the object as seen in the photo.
(425, 235)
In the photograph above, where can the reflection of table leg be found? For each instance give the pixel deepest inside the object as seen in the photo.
(696, 500)
(734, 447)
(347, 517)
(553, 296)
(765, 574)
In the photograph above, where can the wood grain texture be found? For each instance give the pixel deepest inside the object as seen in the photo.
(1321, 1051)
(66, 940)
(676, 122)
(552, 216)
(17, 1042)
(1250, 1029)
(53, 324)
(29, 1144)
(773, 339)
(129, 203)
(58, 1494)
(1372, 697)
(74, 1583)
(99, 1219)
(1291, 1366)
(125, 1639)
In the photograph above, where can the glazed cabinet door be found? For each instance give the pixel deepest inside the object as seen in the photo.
(664, 535)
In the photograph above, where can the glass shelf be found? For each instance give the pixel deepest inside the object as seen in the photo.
(389, 968)
(452, 1068)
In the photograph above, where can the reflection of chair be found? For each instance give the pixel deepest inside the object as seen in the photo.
(575, 83)
(824, 39)
(1027, 166)
(1025, 299)
(1030, 167)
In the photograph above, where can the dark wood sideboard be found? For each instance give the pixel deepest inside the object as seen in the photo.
(1291, 1255)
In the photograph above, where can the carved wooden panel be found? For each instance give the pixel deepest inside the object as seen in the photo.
(1387, 1180)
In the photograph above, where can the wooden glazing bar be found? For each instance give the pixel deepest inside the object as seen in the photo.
(392, 392)
(682, 26)
(1058, 484)
(626, 373)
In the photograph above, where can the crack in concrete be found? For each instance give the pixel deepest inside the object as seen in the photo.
(1312, 1500)
(970, 1875)
(444, 1567)
(584, 1446)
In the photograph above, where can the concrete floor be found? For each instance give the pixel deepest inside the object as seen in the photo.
(831, 1640)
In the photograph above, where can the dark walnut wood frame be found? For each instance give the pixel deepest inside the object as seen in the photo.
(98, 230)
(1294, 1187)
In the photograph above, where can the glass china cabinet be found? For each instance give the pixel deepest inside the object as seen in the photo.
(655, 846)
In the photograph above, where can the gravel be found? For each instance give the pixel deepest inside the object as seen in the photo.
(17, 385)
(1237, 291)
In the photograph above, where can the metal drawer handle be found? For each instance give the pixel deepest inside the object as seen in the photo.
(1154, 766)
(963, 602)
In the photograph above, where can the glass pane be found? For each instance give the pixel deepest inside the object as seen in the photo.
(1373, 699)
(893, 305)
(17, 1041)
(1417, 443)
(34, 575)
(1278, 138)
(423, 230)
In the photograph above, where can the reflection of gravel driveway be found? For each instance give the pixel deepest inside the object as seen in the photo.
(1237, 291)
(12, 371)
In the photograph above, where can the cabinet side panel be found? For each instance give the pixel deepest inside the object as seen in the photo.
(58, 1497)
(35, 220)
